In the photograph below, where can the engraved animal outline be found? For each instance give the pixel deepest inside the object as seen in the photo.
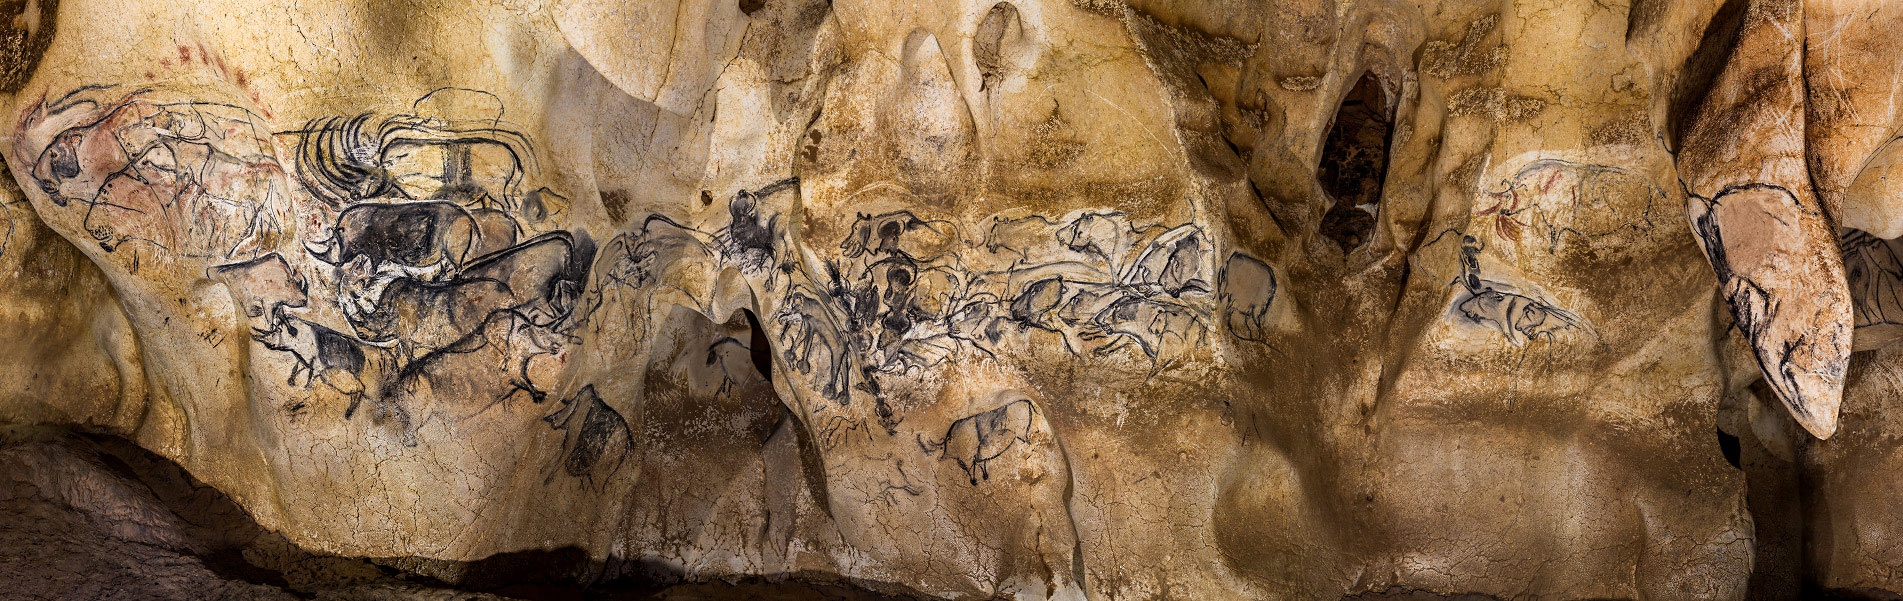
(1510, 213)
(164, 155)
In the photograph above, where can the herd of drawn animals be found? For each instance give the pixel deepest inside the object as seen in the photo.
(443, 285)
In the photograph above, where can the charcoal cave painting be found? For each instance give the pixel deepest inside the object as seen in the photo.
(1516, 314)
(441, 262)
(1875, 272)
(1544, 207)
(160, 181)
(963, 299)
(432, 283)
(1550, 202)
(595, 438)
(434, 287)
(1500, 306)
(907, 293)
(973, 442)
(1802, 347)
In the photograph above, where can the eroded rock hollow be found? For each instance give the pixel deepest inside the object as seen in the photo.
(970, 299)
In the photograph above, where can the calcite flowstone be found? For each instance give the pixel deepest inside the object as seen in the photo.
(1034, 298)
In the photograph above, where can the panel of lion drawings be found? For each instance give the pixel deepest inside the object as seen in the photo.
(1875, 272)
(433, 287)
(160, 180)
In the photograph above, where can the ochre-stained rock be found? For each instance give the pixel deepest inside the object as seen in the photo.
(1085, 299)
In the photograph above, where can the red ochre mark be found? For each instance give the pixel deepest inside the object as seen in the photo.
(184, 54)
(148, 75)
(29, 113)
(243, 80)
(263, 108)
(165, 62)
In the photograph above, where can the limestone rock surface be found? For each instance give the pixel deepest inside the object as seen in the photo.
(1033, 299)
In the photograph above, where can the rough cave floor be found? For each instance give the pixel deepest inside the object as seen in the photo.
(92, 516)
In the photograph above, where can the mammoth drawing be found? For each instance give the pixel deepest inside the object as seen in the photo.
(1245, 291)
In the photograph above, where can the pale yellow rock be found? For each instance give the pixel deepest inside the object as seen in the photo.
(1029, 299)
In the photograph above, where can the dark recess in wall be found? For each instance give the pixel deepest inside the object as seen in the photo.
(1355, 163)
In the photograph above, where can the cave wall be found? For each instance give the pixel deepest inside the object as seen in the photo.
(1031, 299)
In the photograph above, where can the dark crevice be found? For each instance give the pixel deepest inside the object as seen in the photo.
(1354, 163)
(1728, 445)
(758, 347)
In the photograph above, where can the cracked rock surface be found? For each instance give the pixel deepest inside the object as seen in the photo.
(1031, 299)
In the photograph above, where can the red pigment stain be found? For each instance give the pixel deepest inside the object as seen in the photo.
(148, 75)
(29, 112)
(242, 79)
(102, 153)
(165, 61)
(184, 54)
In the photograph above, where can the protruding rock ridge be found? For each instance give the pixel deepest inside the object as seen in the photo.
(1753, 208)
